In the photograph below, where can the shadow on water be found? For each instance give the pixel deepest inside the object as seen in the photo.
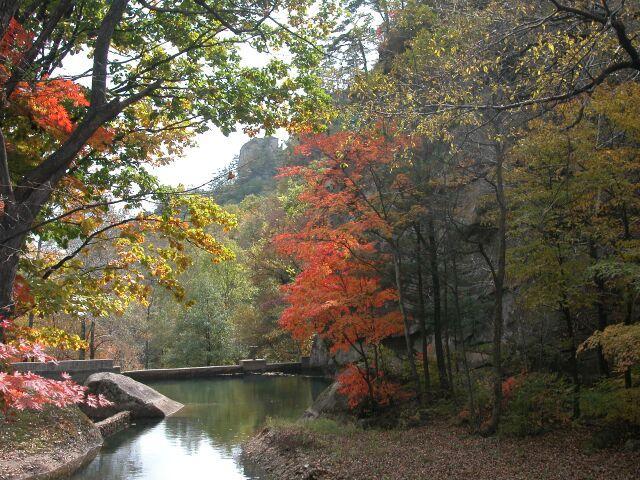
(203, 439)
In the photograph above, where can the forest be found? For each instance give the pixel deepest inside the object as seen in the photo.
(441, 197)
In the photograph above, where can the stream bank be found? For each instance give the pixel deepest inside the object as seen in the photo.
(46, 445)
(324, 449)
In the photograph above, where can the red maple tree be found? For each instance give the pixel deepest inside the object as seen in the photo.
(343, 249)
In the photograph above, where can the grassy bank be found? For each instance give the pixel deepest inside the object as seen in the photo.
(54, 441)
(325, 449)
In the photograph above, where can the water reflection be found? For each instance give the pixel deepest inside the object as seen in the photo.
(202, 440)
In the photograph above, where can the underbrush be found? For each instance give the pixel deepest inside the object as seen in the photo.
(613, 414)
(535, 404)
(34, 431)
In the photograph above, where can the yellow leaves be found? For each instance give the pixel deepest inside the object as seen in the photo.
(620, 103)
(620, 345)
(50, 337)
(88, 225)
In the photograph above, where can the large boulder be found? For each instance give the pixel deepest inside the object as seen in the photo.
(329, 403)
(128, 395)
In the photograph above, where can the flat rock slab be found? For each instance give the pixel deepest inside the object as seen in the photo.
(128, 395)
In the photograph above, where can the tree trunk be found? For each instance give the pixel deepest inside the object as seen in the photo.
(8, 268)
(82, 353)
(8, 9)
(422, 311)
(628, 320)
(437, 321)
(499, 277)
(447, 346)
(573, 361)
(602, 312)
(397, 263)
(92, 339)
(460, 333)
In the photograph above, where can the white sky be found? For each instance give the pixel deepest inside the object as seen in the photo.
(213, 152)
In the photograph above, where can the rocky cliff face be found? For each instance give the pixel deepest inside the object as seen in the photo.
(254, 170)
(259, 157)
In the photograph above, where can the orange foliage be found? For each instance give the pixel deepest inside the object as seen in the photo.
(13, 44)
(47, 102)
(508, 387)
(21, 294)
(360, 387)
(340, 294)
(336, 297)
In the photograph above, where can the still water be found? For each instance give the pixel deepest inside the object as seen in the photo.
(202, 441)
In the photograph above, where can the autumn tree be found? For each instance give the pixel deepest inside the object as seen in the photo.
(172, 66)
(575, 194)
(362, 184)
(74, 143)
(344, 302)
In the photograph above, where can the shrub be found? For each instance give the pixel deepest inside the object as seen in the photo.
(614, 411)
(538, 403)
(368, 389)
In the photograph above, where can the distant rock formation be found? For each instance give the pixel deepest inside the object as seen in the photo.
(254, 170)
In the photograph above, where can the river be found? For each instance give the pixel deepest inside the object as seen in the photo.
(202, 441)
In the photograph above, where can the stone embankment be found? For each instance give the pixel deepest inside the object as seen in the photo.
(114, 424)
(79, 370)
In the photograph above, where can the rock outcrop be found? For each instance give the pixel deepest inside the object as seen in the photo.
(254, 170)
(128, 395)
(329, 402)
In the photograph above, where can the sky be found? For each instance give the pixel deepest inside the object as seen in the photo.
(212, 153)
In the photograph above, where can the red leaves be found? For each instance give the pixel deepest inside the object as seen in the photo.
(360, 386)
(509, 385)
(48, 103)
(339, 293)
(14, 43)
(28, 391)
(22, 296)
(336, 297)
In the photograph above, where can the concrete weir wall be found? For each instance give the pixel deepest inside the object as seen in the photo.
(246, 366)
(78, 369)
